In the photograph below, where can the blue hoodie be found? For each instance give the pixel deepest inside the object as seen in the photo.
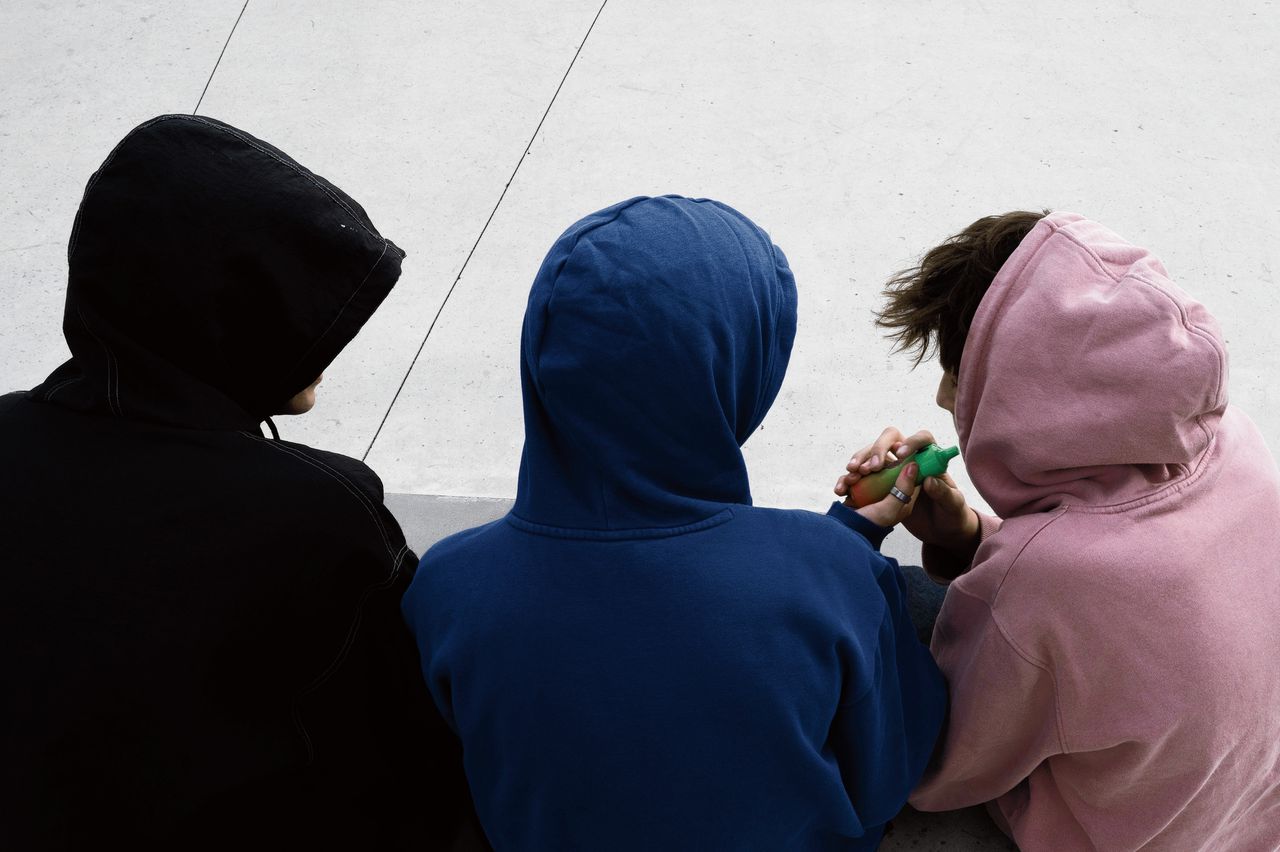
(636, 657)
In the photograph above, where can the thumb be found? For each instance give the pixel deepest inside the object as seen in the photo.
(944, 491)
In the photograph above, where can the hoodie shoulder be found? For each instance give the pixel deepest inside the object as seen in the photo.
(344, 471)
(354, 471)
(815, 543)
(340, 484)
(815, 529)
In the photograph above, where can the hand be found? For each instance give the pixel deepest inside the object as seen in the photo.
(940, 515)
(891, 511)
(943, 518)
(886, 451)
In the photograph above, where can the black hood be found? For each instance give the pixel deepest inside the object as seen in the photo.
(211, 278)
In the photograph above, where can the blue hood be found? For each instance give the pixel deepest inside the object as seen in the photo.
(656, 337)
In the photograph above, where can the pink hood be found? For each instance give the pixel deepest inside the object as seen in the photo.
(1112, 651)
(1087, 377)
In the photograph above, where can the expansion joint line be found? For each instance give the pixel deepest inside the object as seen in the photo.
(220, 53)
(483, 228)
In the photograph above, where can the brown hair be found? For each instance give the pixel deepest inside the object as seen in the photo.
(931, 305)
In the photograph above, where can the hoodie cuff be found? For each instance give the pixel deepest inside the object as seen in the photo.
(869, 530)
(943, 566)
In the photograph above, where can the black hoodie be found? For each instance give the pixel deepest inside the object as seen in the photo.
(199, 633)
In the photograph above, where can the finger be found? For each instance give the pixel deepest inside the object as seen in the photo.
(887, 450)
(891, 511)
(945, 493)
(880, 454)
(847, 482)
(906, 483)
(889, 438)
(844, 483)
(891, 448)
(919, 441)
(860, 456)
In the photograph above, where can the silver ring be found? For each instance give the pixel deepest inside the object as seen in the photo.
(897, 492)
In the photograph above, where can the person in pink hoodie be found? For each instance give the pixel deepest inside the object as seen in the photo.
(1111, 640)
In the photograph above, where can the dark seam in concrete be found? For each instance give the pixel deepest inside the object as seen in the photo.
(483, 229)
(219, 61)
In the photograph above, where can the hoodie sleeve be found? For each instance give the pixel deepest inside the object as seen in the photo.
(884, 735)
(1004, 718)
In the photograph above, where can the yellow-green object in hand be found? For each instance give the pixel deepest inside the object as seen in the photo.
(874, 487)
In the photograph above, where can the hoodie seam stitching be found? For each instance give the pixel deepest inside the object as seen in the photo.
(113, 369)
(1164, 493)
(342, 310)
(1058, 513)
(772, 367)
(337, 476)
(1178, 306)
(1091, 254)
(545, 308)
(48, 394)
(535, 357)
(1202, 334)
(1057, 706)
(1056, 228)
(1003, 296)
(724, 216)
(97, 176)
(353, 630)
(295, 167)
(609, 535)
(1185, 321)
(1030, 660)
(357, 618)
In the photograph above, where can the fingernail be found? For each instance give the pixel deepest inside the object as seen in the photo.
(874, 460)
(913, 469)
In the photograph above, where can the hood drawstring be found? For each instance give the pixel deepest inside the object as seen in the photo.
(275, 433)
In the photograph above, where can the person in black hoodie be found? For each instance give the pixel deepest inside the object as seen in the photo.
(199, 629)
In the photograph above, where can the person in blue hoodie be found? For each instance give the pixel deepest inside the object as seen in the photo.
(636, 657)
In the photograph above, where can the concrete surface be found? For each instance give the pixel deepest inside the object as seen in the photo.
(421, 111)
(426, 519)
(77, 77)
(859, 134)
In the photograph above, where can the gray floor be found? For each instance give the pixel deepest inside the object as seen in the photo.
(857, 133)
(426, 520)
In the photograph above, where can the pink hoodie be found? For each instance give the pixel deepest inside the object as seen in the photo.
(1113, 654)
